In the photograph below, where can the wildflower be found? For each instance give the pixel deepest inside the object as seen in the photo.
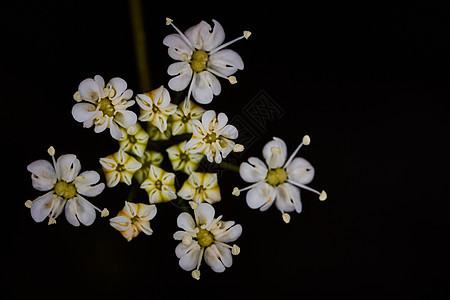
(279, 181)
(66, 190)
(156, 107)
(183, 116)
(183, 160)
(160, 185)
(213, 137)
(119, 167)
(201, 57)
(147, 159)
(105, 107)
(133, 219)
(201, 187)
(134, 140)
(206, 237)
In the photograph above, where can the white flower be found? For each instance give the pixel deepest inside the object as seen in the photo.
(183, 116)
(156, 107)
(159, 185)
(66, 187)
(133, 219)
(106, 107)
(119, 167)
(201, 57)
(205, 237)
(201, 187)
(183, 160)
(212, 137)
(277, 180)
(134, 140)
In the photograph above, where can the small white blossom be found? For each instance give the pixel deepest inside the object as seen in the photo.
(201, 187)
(277, 180)
(134, 140)
(119, 167)
(65, 188)
(201, 57)
(183, 160)
(133, 219)
(159, 185)
(205, 237)
(105, 107)
(212, 136)
(156, 107)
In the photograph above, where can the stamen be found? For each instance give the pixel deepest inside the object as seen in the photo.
(51, 221)
(322, 195)
(77, 96)
(245, 35)
(238, 148)
(29, 204)
(235, 250)
(237, 191)
(231, 79)
(185, 39)
(105, 213)
(305, 141)
(286, 218)
(190, 86)
(196, 272)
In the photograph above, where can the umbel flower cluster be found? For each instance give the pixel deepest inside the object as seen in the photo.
(188, 133)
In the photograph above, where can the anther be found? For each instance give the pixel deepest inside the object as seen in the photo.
(238, 148)
(236, 192)
(51, 151)
(286, 217)
(323, 196)
(232, 79)
(51, 221)
(187, 240)
(105, 213)
(77, 96)
(235, 250)
(168, 21)
(196, 274)
(247, 34)
(29, 204)
(306, 140)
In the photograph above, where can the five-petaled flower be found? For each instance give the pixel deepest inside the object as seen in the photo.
(205, 236)
(183, 116)
(159, 185)
(133, 219)
(201, 187)
(119, 167)
(134, 140)
(66, 188)
(183, 160)
(201, 57)
(213, 137)
(278, 181)
(105, 107)
(156, 107)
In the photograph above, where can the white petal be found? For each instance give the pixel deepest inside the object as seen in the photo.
(183, 73)
(300, 170)
(230, 235)
(229, 131)
(79, 209)
(253, 171)
(178, 49)
(68, 167)
(146, 212)
(226, 62)
(204, 214)
(144, 101)
(83, 112)
(120, 223)
(261, 195)
(186, 222)
(189, 255)
(288, 198)
(205, 86)
(225, 255)
(42, 207)
(125, 118)
(43, 176)
(115, 131)
(208, 119)
(275, 158)
(212, 258)
(119, 85)
(85, 184)
(89, 90)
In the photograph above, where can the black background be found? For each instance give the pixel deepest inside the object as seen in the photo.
(368, 82)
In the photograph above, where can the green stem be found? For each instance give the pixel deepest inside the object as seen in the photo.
(139, 44)
(229, 166)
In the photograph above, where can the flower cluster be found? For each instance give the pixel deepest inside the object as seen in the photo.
(183, 133)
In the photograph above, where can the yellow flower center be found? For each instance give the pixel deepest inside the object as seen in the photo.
(199, 60)
(158, 184)
(65, 190)
(204, 237)
(106, 107)
(276, 176)
(210, 138)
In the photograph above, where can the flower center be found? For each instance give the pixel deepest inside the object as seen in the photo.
(106, 107)
(200, 189)
(65, 190)
(204, 237)
(158, 184)
(132, 139)
(185, 119)
(199, 60)
(276, 176)
(184, 157)
(210, 138)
